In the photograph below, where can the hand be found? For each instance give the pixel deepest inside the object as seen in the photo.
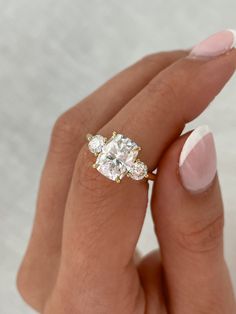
(80, 257)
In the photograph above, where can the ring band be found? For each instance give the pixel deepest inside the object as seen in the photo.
(117, 157)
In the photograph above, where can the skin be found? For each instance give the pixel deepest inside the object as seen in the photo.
(80, 257)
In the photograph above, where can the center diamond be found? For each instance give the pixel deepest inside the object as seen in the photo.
(116, 157)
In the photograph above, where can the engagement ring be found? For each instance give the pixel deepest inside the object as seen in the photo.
(117, 157)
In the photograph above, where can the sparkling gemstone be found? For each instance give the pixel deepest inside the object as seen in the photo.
(117, 157)
(138, 171)
(96, 144)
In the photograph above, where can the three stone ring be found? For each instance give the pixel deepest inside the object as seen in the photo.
(117, 157)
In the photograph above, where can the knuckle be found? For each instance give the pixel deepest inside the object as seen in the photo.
(68, 132)
(163, 89)
(162, 92)
(203, 237)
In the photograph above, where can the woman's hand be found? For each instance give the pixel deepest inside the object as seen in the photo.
(80, 258)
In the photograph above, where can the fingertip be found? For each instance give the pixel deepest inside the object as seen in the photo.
(197, 163)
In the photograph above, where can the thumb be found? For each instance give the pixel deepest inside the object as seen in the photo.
(188, 215)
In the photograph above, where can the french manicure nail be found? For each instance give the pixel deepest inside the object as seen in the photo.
(215, 45)
(197, 163)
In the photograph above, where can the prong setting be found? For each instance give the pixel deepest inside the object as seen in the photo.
(118, 180)
(117, 157)
(89, 136)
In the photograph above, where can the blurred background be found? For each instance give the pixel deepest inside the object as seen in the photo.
(55, 52)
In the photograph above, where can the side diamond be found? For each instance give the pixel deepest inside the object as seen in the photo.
(96, 144)
(138, 170)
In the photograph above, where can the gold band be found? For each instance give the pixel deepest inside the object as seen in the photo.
(151, 176)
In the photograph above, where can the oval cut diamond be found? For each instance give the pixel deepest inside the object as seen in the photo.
(117, 157)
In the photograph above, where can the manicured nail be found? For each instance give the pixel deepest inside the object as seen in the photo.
(215, 45)
(197, 163)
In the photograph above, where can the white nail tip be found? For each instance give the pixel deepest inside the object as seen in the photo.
(234, 37)
(192, 141)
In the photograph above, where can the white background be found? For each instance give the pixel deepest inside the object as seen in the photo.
(53, 53)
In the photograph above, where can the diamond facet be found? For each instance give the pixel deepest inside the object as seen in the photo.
(138, 171)
(96, 143)
(117, 157)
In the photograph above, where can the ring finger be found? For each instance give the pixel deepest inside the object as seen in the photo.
(38, 272)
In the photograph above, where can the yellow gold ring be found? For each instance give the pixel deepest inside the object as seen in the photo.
(117, 157)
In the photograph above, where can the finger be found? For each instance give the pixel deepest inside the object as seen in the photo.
(103, 219)
(151, 277)
(189, 226)
(39, 269)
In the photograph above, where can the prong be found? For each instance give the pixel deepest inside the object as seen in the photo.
(114, 133)
(118, 180)
(138, 160)
(128, 175)
(94, 166)
(89, 137)
(147, 176)
(139, 148)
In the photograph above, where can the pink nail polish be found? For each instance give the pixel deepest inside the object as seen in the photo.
(215, 45)
(197, 163)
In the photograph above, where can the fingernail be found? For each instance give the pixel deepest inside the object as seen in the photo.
(215, 45)
(197, 163)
